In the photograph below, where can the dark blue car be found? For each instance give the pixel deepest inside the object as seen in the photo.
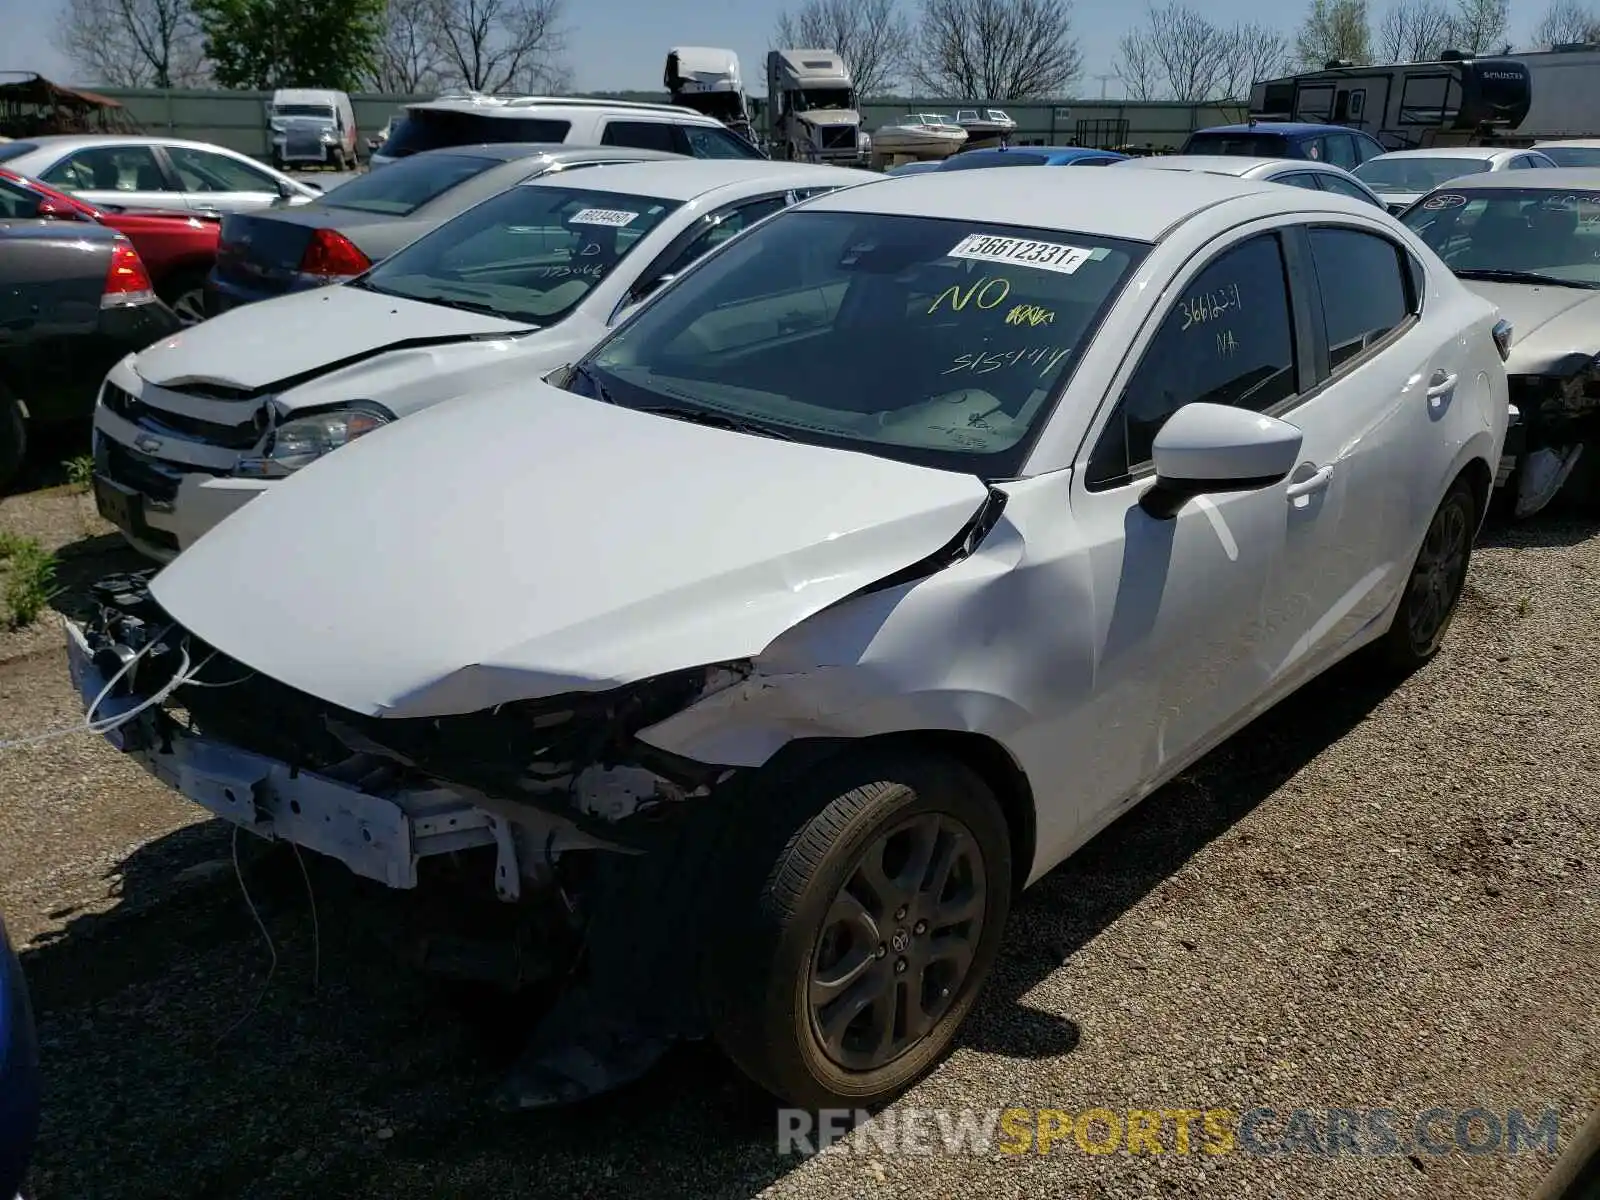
(1347, 148)
(1031, 156)
(19, 1072)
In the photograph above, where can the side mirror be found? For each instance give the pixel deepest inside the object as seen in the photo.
(1206, 449)
(50, 210)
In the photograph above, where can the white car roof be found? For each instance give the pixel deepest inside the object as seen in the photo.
(687, 178)
(535, 106)
(1452, 152)
(1111, 203)
(1578, 179)
(1222, 164)
(1576, 143)
(64, 142)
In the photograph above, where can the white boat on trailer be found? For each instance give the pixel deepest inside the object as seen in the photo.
(919, 136)
(985, 124)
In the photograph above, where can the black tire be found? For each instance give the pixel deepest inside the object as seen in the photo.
(816, 831)
(1581, 491)
(13, 439)
(1438, 577)
(185, 294)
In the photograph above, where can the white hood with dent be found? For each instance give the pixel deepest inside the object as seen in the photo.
(260, 344)
(532, 542)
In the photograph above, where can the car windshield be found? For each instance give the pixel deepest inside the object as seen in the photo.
(1235, 145)
(1418, 174)
(993, 158)
(530, 254)
(16, 149)
(1533, 235)
(407, 186)
(938, 342)
(322, 111)
(436, 128)
(1572, 156)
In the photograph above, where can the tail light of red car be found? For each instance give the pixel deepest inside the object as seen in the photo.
(127, 281)
(331, 256)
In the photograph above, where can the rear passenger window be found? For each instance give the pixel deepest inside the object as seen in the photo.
(642, 135)
(1227, 340)
(1342, 151)
(705, 142)
(1362, 279)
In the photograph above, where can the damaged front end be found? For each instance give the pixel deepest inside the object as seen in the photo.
(1558, 422)
(512, 794)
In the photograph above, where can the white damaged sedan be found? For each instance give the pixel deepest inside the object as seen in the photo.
(866, 573)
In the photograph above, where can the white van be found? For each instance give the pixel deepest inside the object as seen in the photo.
(311, 126)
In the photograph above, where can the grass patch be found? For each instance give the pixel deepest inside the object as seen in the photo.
(80, 472)
(30, 578)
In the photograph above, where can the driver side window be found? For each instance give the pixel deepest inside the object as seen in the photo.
(1227, 339)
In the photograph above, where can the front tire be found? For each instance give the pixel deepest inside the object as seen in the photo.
(845, 973)
(1438, 577)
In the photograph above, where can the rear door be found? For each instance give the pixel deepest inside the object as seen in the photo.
(130, 176)
(1382, 378)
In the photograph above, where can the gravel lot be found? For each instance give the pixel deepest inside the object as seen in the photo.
(1366, 899)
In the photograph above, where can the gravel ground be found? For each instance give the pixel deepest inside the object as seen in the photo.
(1368, 899)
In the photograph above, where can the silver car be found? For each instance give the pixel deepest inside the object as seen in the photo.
(154, 172)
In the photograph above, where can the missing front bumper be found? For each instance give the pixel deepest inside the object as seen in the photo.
(378, 837)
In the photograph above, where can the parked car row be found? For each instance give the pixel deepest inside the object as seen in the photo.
(771, 570)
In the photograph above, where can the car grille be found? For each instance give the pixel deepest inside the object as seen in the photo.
(839, 137)
(242, 436)
(303, 145)
(149, 477)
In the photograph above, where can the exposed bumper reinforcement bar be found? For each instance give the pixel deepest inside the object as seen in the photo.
(378, 837)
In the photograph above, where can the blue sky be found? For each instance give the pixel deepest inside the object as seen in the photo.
(622, 43)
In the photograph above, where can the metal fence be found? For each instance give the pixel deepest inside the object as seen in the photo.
(238, 119)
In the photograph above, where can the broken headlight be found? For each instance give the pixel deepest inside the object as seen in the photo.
(304, 439)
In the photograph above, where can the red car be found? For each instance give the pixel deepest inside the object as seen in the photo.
(178, 248)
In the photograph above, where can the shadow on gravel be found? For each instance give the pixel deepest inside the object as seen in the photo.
(50, 448)
(1558, 525)
(375, 1083)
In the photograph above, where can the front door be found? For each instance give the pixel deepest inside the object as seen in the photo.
(220, 183)
(115, 176)
(1184, 614)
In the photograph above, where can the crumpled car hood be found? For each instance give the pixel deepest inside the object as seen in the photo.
(531, 542)
(1549, 324)
(260, 344)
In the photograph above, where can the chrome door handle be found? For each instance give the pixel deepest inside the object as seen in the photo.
(1310, 485)
(1441, 383)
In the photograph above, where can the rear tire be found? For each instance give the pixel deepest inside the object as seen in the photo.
(185, 294)
(1438, 577)
(847, 922)
(13, 438)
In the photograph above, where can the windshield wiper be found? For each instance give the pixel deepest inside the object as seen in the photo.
(1523, 277)
(717, 420)
(601, 392)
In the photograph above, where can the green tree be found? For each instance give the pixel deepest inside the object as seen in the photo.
(265, 44)
(1334, 29)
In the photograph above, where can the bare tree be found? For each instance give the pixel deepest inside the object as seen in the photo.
(870, 35)
(996, 49)
(133, 43)
(1334, 29)
(1257, 53)
(1180, 54)
(1567, 21)
(1414, 31)
(409, 59)
(500, 45)
(1478, 26)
